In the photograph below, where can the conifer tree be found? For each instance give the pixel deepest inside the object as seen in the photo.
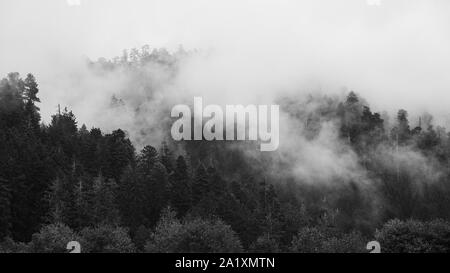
(181, 188)
(5, 210)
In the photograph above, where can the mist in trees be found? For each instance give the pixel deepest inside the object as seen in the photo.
(62, 181)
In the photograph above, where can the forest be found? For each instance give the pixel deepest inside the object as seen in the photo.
(61, 181)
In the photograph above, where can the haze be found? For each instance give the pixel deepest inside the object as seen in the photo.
(396, 55)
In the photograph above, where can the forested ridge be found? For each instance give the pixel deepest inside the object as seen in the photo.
(62, 181)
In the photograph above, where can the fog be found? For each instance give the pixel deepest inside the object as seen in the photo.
(334, 155)
(395, 54)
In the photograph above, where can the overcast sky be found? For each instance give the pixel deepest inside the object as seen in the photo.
(396, 54)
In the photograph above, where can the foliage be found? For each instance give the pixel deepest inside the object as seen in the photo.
(9, 246)
(412, 236)
(194, 235)
(61, 181)
(106, 239)
(315, 240)
(264, 244)
(52, 238)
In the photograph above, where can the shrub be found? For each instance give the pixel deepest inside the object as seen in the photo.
(106, 239)
(315, 240)
(265, 244)
(52, 238)
(414, 236)
(141, 236)
(346, 243)
(9, 246)
(192, 236)
(307, 240)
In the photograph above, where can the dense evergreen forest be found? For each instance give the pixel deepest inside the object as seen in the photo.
(62, 181)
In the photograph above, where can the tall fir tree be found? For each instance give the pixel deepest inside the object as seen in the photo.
(181, 192)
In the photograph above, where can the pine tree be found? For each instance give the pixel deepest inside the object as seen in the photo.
(131, 199)
(84, 196)
(31, 89)
(181, 188)
(118, 153)
(155, 183)
(350, 113)
(401, 132)
(5, 210)
(200, 185)
(62, 201)
(157, 189)
(147, 159)
(166, 157)
(104, 203)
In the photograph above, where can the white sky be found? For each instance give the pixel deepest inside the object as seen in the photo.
(397, 54)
